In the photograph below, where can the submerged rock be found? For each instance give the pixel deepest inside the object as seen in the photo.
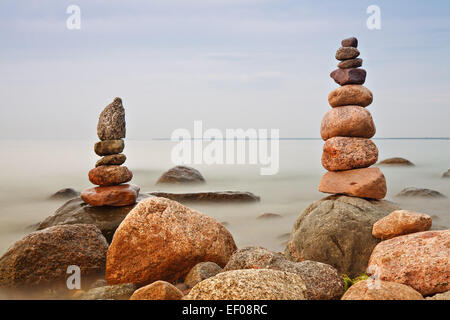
(396, 161)
(66, 193)
(161, 239)
(250, 284)
(42, 257)
(446, 174)
(117, 292)
(220, 196)
(322, 281)
(420, 192)
(181, 174)
(381, 290)
(337, 230)
(76, 211)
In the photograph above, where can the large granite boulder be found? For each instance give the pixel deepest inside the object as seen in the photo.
(337, 230)
(321, 280)
(161, 239)
(250, 284)
(42, 258)
(76, 211)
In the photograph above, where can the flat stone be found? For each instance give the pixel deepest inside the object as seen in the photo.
(349, 76)
(110, 175)
(350, 42)
(419, 260)
(220, 196)
(365, 183)
(401, 222)
(351, 63)
(181, 175)
(420, 193)
(66, 193)
(345, 153)
(351, 94)
(158, 290)
(111, 123)
(161, 239)
(250, 284)
(345, 53)
(337, 231)
(269, 215)
(108, 147)
(347, 121)
(116, 196)
(76, 211)
(113, 159)
(381, 290)
(396, 161)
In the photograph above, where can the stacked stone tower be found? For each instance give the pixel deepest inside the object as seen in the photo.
(347, 128)
(109, 174)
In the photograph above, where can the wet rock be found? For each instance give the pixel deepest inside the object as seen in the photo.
(321, 280)
(110, 175)
(420, 193)
(397, 161)
(345, 153)
(42, 257)
(401, 222)
(161, 239)
(181, 174)
(66, 193)
(337, 230)
(220, 196)
(116, 196)
(381, 290)
(109, 147)
(76, 211)
(347, 121)
(158, 290)
(117, 292)
(111, 123)
(365, 183)
(200, 272)
(251, 284)
(351, 94)
(113, 159)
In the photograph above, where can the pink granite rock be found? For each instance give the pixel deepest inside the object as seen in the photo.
(400, 222)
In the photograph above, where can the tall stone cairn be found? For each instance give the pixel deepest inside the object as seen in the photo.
(347, 128)
(109, 174)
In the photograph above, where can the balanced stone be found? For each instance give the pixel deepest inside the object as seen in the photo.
(111, 123)
(364, 183)
(113, 159)
(349, 76)
(351, 94)
(351, 63)
(347, 121)
(110, 175)
(401, 222)
(108, 147)
(345, 153)
(345, 53)
(116, 196)
(350, 42)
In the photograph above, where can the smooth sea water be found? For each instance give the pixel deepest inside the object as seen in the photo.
(33, 170)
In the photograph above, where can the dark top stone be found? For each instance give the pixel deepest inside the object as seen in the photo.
(111, 123)
(350, 42)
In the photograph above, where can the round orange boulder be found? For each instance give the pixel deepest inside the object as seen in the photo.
(116, 196)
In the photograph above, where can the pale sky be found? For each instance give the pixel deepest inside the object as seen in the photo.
(231, 63)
